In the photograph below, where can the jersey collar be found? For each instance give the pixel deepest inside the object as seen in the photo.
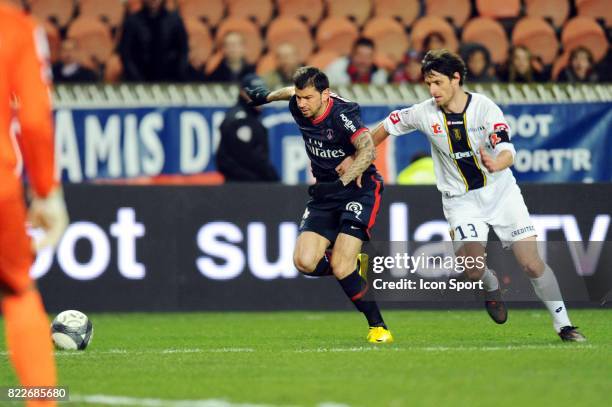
(325, 113)
(467, 103)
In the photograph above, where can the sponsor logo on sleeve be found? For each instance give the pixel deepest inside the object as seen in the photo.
(495, 139)
(394, 117)
(348, 124)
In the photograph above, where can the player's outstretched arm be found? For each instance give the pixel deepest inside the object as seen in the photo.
(379, 134)
(365, 154)
(260, 95)
(282, 94)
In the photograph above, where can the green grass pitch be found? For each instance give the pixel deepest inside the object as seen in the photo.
(440, 358)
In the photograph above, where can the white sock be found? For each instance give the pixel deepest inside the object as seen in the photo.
(547, 289)
(489, 281)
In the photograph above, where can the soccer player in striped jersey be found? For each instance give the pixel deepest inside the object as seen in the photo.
(472, 151)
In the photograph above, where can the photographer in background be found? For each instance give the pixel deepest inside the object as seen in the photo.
(243, 154)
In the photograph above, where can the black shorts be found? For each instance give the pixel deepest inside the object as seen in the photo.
(352, 212)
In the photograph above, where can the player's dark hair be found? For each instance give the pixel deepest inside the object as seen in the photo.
(444, 62)
(310, 76)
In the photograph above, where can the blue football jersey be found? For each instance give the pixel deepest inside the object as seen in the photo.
(329, 138)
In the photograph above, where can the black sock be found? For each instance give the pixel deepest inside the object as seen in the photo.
(323, 267)
(355, 288)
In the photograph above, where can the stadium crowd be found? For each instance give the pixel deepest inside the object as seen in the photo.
(356, 41)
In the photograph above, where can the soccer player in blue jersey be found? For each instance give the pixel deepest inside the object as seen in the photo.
(343, 209)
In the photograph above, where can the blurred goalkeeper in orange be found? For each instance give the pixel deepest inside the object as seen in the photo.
(24, 83)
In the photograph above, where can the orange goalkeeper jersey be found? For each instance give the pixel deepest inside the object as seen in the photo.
(24, 82)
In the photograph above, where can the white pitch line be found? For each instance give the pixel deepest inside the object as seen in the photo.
(196, 350)
(218, 350)
(94, 352)
(382, 348)
(341, 350)
(446, 348)
(109, 400)
(508, 347)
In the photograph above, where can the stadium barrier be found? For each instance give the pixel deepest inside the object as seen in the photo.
(152, 248)
(145, 132)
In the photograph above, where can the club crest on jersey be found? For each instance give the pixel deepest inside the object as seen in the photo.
(330, 134)
(355, 207)
(457, 134)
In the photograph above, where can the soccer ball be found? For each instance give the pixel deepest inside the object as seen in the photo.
(71, 330)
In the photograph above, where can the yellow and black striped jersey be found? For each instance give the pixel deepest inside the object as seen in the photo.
(456, 138)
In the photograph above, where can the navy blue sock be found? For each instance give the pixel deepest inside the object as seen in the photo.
(323, 267)
(355, 288)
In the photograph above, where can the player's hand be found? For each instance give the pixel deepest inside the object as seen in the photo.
(258, 95)
(488, 161)
(49, 214)
(323, 189)
(344, 165)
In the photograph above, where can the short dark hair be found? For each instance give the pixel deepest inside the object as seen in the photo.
(363, 41)
(310, 76)
(445, 62)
